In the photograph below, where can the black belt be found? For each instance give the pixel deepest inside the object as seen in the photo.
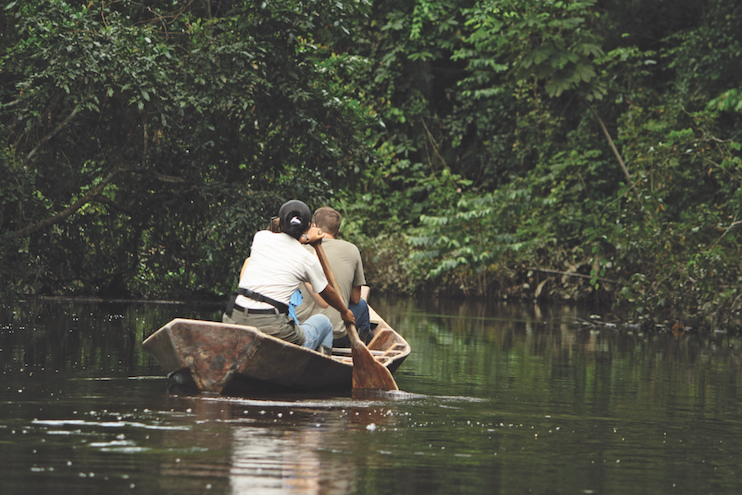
(273, 311)
(281, 307)
(255, 296)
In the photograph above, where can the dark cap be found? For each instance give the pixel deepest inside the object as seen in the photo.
(295, 217)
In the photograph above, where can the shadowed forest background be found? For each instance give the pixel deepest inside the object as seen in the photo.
(568, 150)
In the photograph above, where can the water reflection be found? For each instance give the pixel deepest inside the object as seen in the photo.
(507, 399)
(291, 460)
(274, 446)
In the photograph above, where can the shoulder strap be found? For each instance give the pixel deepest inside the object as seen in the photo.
(256, 296)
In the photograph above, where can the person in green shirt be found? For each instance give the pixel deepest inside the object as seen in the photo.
(346, 264)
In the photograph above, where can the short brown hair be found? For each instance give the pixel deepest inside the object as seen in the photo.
(328, 219)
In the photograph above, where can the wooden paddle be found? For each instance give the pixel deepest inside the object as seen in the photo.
(368, 373)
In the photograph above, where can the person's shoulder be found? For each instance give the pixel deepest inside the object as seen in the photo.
(344, 243)
(306, 252)
(263, 234)
(340, 247)
(352, 247)
(260, 237)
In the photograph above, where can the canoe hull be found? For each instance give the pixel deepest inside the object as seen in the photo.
(235, 359)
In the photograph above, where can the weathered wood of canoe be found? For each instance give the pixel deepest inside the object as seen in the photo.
(224, 358)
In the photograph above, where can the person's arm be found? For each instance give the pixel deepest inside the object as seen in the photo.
(355, 294)
(333, 299)
(311, 236)
(244, 266)
(316, 297)
(360, 290)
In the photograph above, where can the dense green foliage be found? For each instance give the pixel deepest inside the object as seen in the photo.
(565, 149)
(578, 154)
(180, 130)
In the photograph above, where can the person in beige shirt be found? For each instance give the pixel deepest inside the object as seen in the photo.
(346, 264)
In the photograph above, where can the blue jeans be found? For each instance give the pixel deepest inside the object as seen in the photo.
(363, 320)
(317, 332)
(360, 312)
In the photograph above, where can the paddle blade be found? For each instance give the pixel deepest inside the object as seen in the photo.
(368, 373)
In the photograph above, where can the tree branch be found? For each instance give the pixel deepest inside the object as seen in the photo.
(86, 198)
(571, 274)
(106, 201)
(613, 146)
(432, 142)
(145, 142)
(726, 231)
(51, 134)
(164, 178)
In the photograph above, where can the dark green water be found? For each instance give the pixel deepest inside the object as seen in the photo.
(501, 399)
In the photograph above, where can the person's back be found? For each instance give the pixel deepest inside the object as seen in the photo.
(278, 265)
(345, 262)
(347, 266)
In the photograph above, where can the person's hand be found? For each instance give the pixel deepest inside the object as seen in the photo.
(313, 235)
(348, 317)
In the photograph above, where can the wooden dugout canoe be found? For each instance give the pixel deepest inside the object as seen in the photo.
(233, 359)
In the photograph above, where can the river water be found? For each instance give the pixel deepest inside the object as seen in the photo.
(498, 398)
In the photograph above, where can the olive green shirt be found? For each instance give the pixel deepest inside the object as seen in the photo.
(347, 266)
